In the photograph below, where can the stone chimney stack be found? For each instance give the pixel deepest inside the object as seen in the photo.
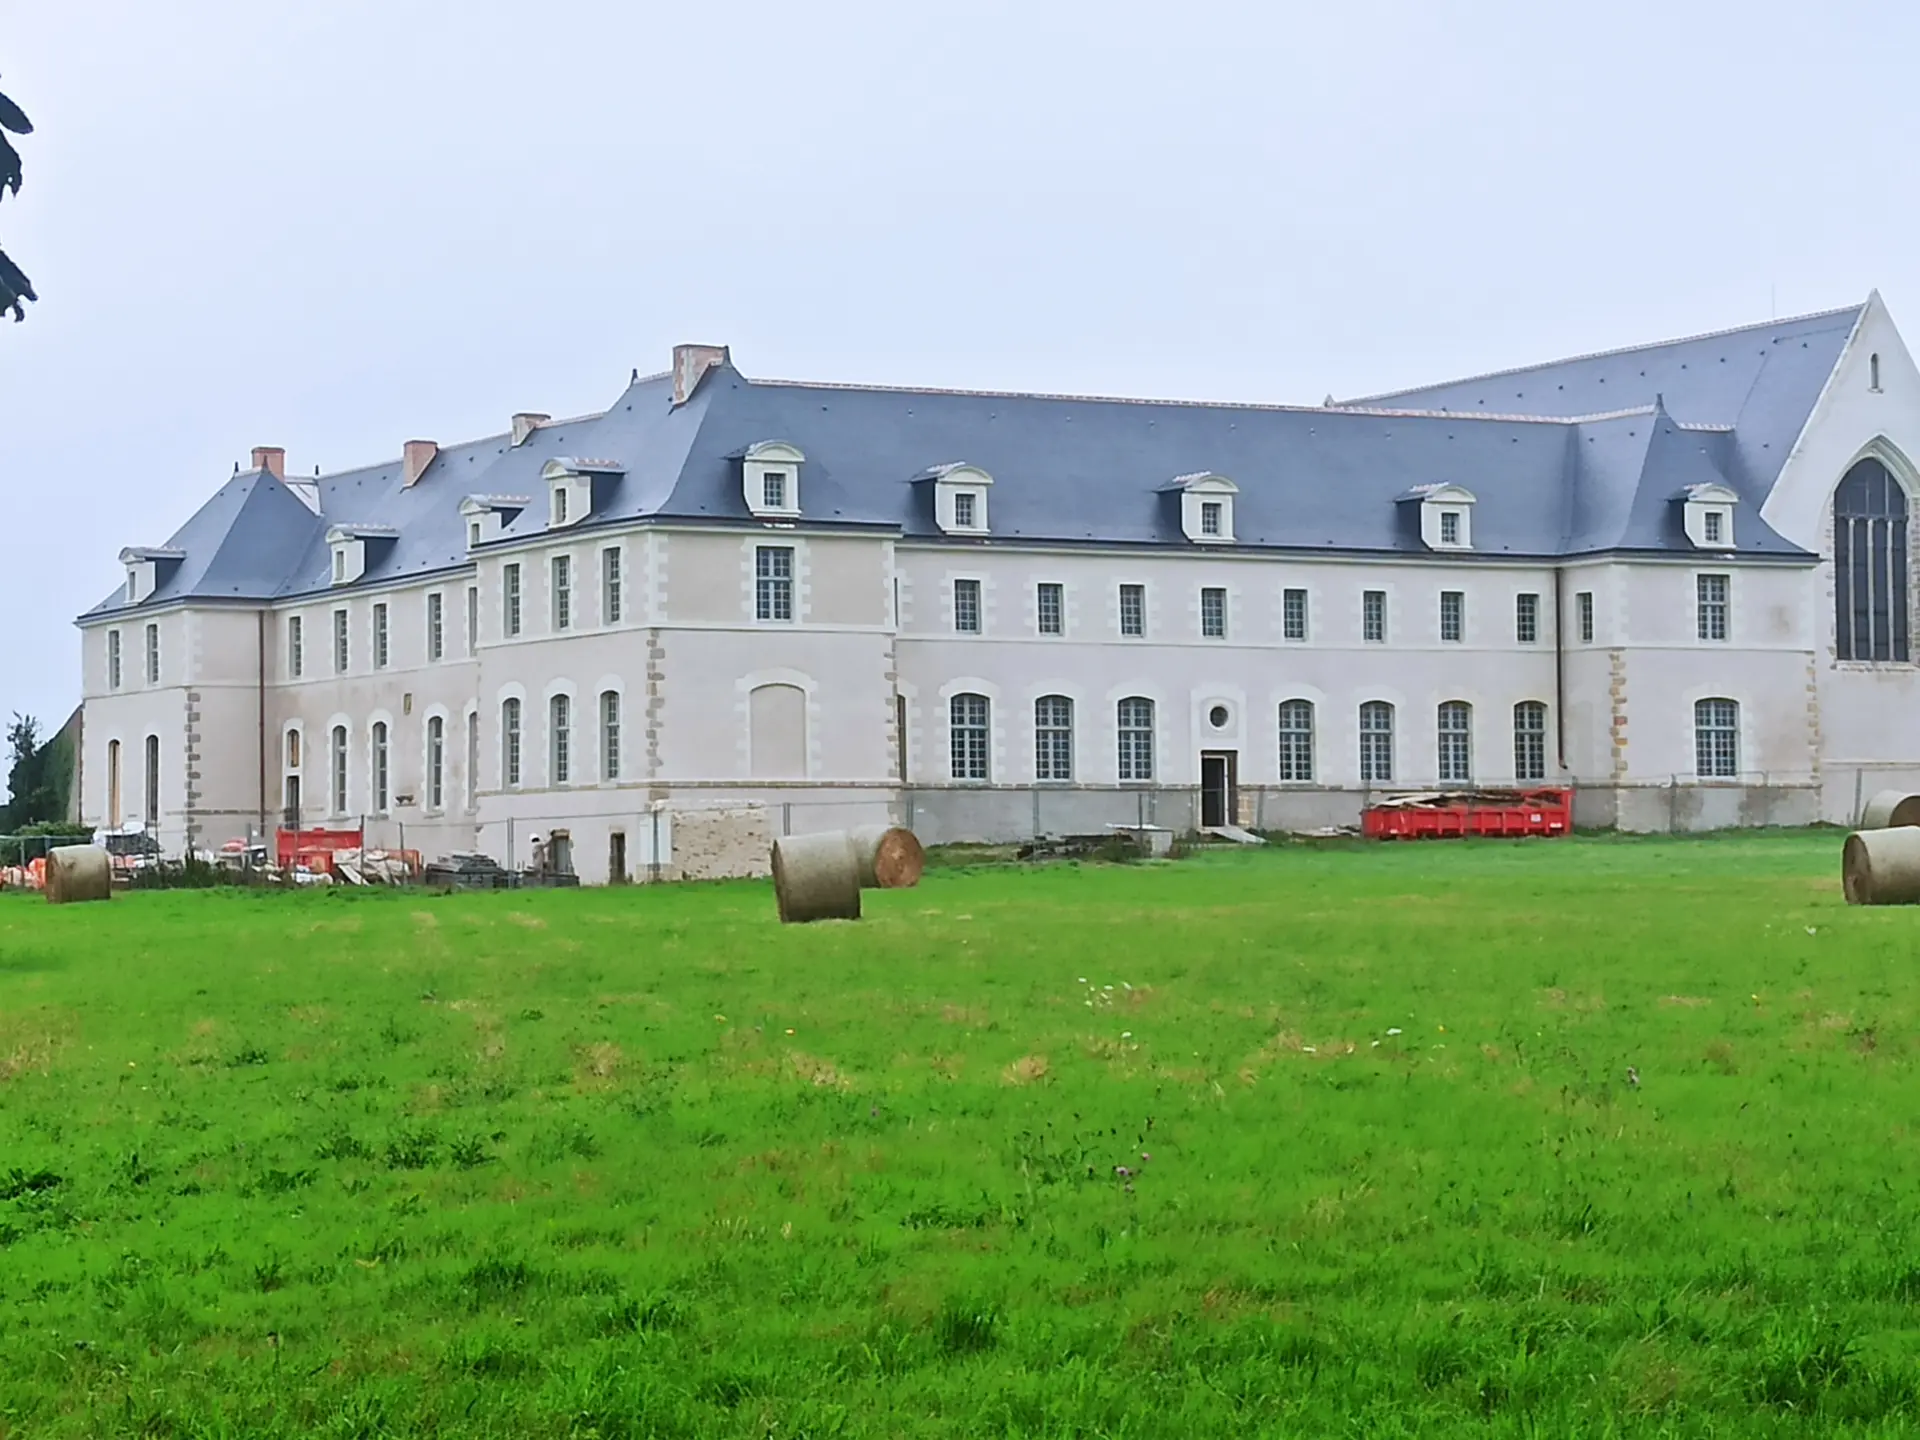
(415, 459)
(690, 365)
(272, 459)
(525, 423)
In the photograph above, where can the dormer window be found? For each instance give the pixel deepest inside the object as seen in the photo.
(486, 514)
(1206, 506)
(1444, 519)
(1706, 515)
(572, 486)
(350, 545)
(959, 494)
(770, 478)
(146, 569)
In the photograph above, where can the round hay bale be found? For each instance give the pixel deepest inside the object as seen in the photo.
(1881, 867)
(78, 872)
(1890, 808)
(816, 877)
(890, 856)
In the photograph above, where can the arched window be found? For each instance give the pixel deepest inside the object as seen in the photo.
(609, 734)
(113, 784)
(377, 771)
(1296, 740)
(1455, 733)
(1873, 372)
(1376, 742)
(153, 780)
(1530, 740)
(1053, 738)
(509, 743)
(436, 762)
(560, 739)
(1870, 565)
(968, 732)
(1716, 739)
(338, 766)
(1135, 721)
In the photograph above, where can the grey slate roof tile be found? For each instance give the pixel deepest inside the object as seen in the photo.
(1573, 457)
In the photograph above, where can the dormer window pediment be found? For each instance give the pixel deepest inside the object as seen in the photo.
(1706, 515)
(770, 479)
(1206, 506)
(960, 494)
(1446, 515)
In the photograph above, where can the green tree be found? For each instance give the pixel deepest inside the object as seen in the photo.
(15, 288)
(34, 797)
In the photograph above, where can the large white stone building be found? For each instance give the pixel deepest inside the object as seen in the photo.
(1675, 577)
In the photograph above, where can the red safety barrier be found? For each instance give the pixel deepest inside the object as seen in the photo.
(313, 848)
(1483, 812)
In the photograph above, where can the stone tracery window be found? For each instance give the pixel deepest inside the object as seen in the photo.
(1870, 565)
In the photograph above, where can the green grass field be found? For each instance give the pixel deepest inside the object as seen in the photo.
(1299, 1142)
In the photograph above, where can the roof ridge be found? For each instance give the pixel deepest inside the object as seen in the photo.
(1361, 400)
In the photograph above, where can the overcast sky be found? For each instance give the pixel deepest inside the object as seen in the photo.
(338, 224)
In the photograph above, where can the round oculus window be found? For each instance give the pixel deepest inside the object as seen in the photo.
(1218, 717)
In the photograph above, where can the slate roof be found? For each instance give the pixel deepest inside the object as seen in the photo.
(1575, 457)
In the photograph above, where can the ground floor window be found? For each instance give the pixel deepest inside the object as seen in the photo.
(968, 723)
(1376, 742)
(1455, 725)
(1716, 739)
(1530, 740)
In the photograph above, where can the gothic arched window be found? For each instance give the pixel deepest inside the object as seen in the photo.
(1870, 565)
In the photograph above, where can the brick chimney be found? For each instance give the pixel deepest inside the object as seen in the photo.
(525, 423)
(272, 459)
(415, 459)
(690, 365)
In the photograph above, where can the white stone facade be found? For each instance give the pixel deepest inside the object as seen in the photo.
(711, 704)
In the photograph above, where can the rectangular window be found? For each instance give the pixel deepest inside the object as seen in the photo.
(968, 734)
(559, 504)
(560, 739)
(1050, 606)
(380, 635)
(1716, 739)
(1053, 738)
(773, 582)
(153, 654)
(1376, 742)
(1293, 614)
(1213, 612)
(1373, 617)
(1526, 618)
(1583, 602)
(1210, 517)
(1530, 740)
(296, 658)
(510, 599)
(1715, 526)
(339, 566)
(773, 490)
(473, 619)
(1449, 527)
(1133, 610)
(1296, 740)
(113, 659)
(340, 642)
(563, 592)
(1712, 591)
(436, 626)
(610, 735)
(963, 511)
(1453, 615)
(1456, 742)
(966, 606)
(610, 586)
(1135, 736)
